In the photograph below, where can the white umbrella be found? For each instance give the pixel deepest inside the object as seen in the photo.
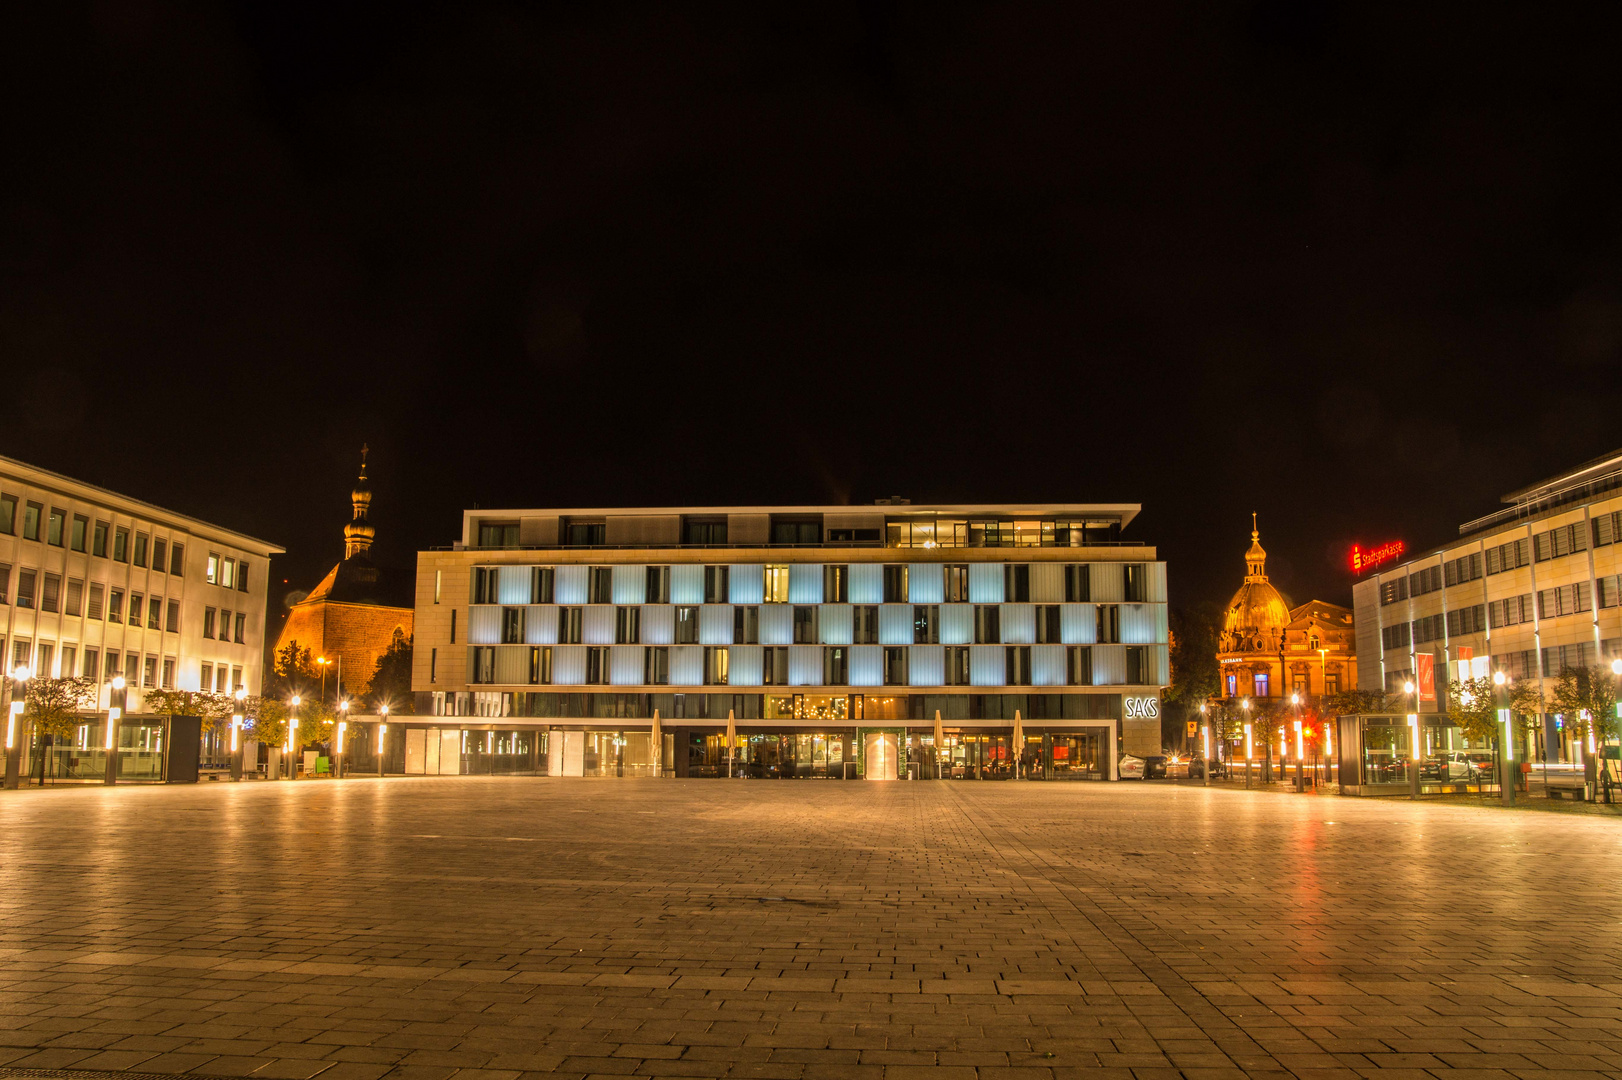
(940, 743)
(732, 739)
(1019, 743)
(657, 735)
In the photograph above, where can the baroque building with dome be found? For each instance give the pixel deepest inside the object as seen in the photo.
(1271, 649)
(357, 611)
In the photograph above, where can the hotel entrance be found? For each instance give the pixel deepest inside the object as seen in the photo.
(880, 755)
(979, 757)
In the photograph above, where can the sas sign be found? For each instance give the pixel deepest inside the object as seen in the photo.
(1142, 708)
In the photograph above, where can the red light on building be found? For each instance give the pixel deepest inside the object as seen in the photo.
(1364, 561)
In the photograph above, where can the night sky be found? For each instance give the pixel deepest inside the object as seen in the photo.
(1357, 271)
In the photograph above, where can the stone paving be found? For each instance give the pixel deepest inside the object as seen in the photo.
(488, 929)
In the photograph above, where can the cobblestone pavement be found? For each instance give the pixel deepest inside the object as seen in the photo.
(491, 928)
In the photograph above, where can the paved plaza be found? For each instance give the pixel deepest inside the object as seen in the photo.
(488, 929)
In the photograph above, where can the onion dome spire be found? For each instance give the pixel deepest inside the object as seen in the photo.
(358, 534)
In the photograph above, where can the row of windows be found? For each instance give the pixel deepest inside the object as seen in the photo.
(215, 679)
(1429, 628)
(1464, 568)
(1564, 600)
(1510, 611)
(1456, 623)
(837, 709)
(1558, 541)
(493, 585)
(1467, 620)
(47, 593)
(1425, 581)
(864, 625)
(774, 669)
(808, 530)
(152, 671)
(222, 622)
(1510, 556)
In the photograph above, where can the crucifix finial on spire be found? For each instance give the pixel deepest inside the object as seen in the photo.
(1253, 531)
(364, 448)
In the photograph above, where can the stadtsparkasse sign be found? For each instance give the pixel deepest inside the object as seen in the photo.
(1366, 559)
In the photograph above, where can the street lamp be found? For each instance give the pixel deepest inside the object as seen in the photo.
(1500, 693)
(1244, 703)
(343, 724)
(115, 713)
(325, 663)
(382, 729)
(241, 696)
(1413, 740)
(1300, 743)
(17, 686)
(292, 736)
(1205, 728)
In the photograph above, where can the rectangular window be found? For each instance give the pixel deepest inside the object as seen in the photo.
(585, 534)
(154, 613)
(926, 624)
(895, 584)
(1017, 665)
(540, 585)
(746, 625)
(835, 666)
(207, 676)
(1133, 579)
(957, 665)
(597, 664)
(1108, 629)
(5, 586)
(433, 665)
(715, 666)
(484, 665)
(656, 666)
(149, 672)
(236, 679)
(805, 625)
(438, 581)
(168, 673)
(498, 534)
(796, 531)
(540, 665)
(92, 662)
(570, 623)
(140, 549)
(957, 584)
(453, 626)
(987, 624)
(658, 585)
(715, 585)
(242, 575)
(98, 540)
(774, 666)
(1017, 584)
(1079, 665)
(600, 585)
(864, 625)
(208, 622)
(53, 534)
(115, 605)
(76, 538)
(121, 544)
(484, 584)
(836, 584)
(25, 588)
(94, 609)
(49, 594)
(8, 514)
(1261, 678)
(212, 568)
(242, 628)
(512, 626)
(31, 515)
(171, 622)
(160, 552)
(776, 585)
(700, 530)
(70, 657)
(687, 625)
(74, 598)
(177, 558)
(628, 626)
(132, 667)
(43, 660)
(895, 666)
(1078, 583)
(1047, 624)
(228, 573)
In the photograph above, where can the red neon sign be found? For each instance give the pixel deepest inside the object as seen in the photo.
(1364, 561)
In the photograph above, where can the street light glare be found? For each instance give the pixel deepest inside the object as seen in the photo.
(1616, 667)
(295, 701)
(21, 674)
(118, 682)
(1407, 687)
(1498, 678)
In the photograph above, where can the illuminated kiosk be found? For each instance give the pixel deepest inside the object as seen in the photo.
(830, 637)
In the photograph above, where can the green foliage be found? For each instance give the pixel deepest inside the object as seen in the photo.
(267, 720)
(53, 706)
(292, 673)
(391, 680)
(316, 721)
(1590, 691)
(215, 710)
(1473, 706)
(1194, 674)
(1356, 703)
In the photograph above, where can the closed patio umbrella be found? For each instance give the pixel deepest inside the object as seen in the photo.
(1018, 749)
(732, 738)
(940, 743)
(657, 736)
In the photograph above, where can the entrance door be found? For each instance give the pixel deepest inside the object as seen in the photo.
(574, 753)
(881, 755)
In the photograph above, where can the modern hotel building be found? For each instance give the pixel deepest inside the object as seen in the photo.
(830, 635)
(1529, 590)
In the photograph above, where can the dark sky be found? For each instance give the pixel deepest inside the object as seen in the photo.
(1355, 269)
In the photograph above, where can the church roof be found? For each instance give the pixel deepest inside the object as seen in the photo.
(357, 579)
(1258, 605)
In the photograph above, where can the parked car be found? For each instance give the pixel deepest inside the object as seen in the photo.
(1449, 766)
(1196, 768)
(1154, 766)
(1130, 768)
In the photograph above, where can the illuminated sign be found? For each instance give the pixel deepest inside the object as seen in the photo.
(1142, 708)
(1364, 561)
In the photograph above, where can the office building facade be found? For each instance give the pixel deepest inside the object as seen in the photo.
(832, 636)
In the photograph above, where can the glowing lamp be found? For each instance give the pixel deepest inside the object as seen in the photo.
(22, 674)
(118, 682)
(114, 715)
(342, 724)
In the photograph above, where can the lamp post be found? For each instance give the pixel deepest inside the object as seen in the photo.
(382, 729)
(338, 745)
(115, 714)
(17, 687)
(1244, 703)
(241, 696)
(1500, 693)
(1329, 751)
(1205, 727)
(1300, 744)
(292, 737)
(1413, 740)
(325, 663)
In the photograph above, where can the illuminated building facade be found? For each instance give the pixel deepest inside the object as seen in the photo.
(1269, 649)
(832, 635)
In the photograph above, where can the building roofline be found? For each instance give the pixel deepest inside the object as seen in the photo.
(1126, 511)
(96, 493)
(1585, 473)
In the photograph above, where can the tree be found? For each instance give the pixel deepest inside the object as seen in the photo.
(316, 721)
(1356, 703)
(267, 720)
(54, 706)
(1193, 638)
(213, 709)
(292, 672)
(391, 679)
(1586, 698)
